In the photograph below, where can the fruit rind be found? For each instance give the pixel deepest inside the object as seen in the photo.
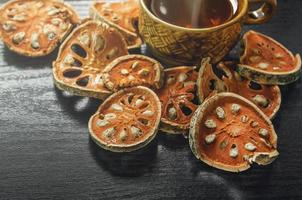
(268, 77)
(51, 48)
(94, 14)
(96, 93)
(194, 131)
(131, 147)
(159, 69)
(168, 126)
(207, 69)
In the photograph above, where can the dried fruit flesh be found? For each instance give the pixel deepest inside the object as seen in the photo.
(177, 98)
(35, 27)
(133, 70)
(267, 98)
(127, 120)
(83, 57)
(266, 61)
(122, 14)
(230, 133)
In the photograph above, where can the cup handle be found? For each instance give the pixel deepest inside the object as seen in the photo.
(263, 14)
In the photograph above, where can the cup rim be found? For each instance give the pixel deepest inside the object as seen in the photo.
(239, 16)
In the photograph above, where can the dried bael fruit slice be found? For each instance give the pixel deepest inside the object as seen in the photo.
(83, 57)
(133, 70)
(267, 98)
(177, 98)
(230, 133)
(122, 14)
(35, 27)
(266, 61)
(127, 120)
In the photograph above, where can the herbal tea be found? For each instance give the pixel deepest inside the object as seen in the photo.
(193, 13)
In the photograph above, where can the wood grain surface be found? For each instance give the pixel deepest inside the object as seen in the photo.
(46, 153)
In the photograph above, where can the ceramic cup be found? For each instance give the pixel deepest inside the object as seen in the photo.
(180, 45)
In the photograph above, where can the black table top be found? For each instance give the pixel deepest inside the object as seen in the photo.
(46, 153)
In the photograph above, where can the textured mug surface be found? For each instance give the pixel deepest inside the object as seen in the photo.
(176, 44)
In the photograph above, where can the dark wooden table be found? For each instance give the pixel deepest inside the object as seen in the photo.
(46, 153)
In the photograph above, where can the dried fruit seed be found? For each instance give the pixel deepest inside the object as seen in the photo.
(124, 72)
(170, 80)
(99, 44)
(260, 100)
(18, 38)
(56, 21)
(136, 132)
(210, 124)
(234, 152)
(263, 65)
(117, 107)
(244, 118)
(135, 65)
(148, 113)
(84, 39)
(112, 53)
(35, 41)
(109, 132)
(235, 108)
(144, 72)
(263, 132)
(172, 113)
(69, 59)
(8, 26)
(254, 124)
(250, 147)
(53, 11)
(123, 135)
(220, 113)
(20, 18)
(139, 103)
(255, 59)
(102, 122)
(110, 116)
(210, 138)
(182, 77)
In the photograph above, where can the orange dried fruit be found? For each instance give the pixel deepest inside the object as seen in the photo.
(133, 70)
(128, 120)
(34, 28)
(266, 61)
(229, 132)
(83, 57)
(123, 15)
(266, 97)
(177, 98)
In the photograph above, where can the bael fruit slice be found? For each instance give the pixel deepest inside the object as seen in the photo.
(267, 98)
(177, 98)
(230, 133)
(83, 57)
(122, 14)
(128, 120)
(266, 61)
(133, 70)
(34, 28)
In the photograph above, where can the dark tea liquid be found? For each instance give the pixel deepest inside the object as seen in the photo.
(193, 13)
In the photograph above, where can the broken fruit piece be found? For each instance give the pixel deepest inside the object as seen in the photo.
(267, 98)
(123, 15)
(266, 61)
(133, 70)
(83, 57)
(126, 121)
(177, 97)
(34, 28)
(234, 143)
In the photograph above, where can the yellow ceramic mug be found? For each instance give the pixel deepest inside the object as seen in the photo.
(177, 44)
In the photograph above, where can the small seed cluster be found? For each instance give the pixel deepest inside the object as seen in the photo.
(50, 26)
(220, 117)
(258, 58)
(118, 125)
